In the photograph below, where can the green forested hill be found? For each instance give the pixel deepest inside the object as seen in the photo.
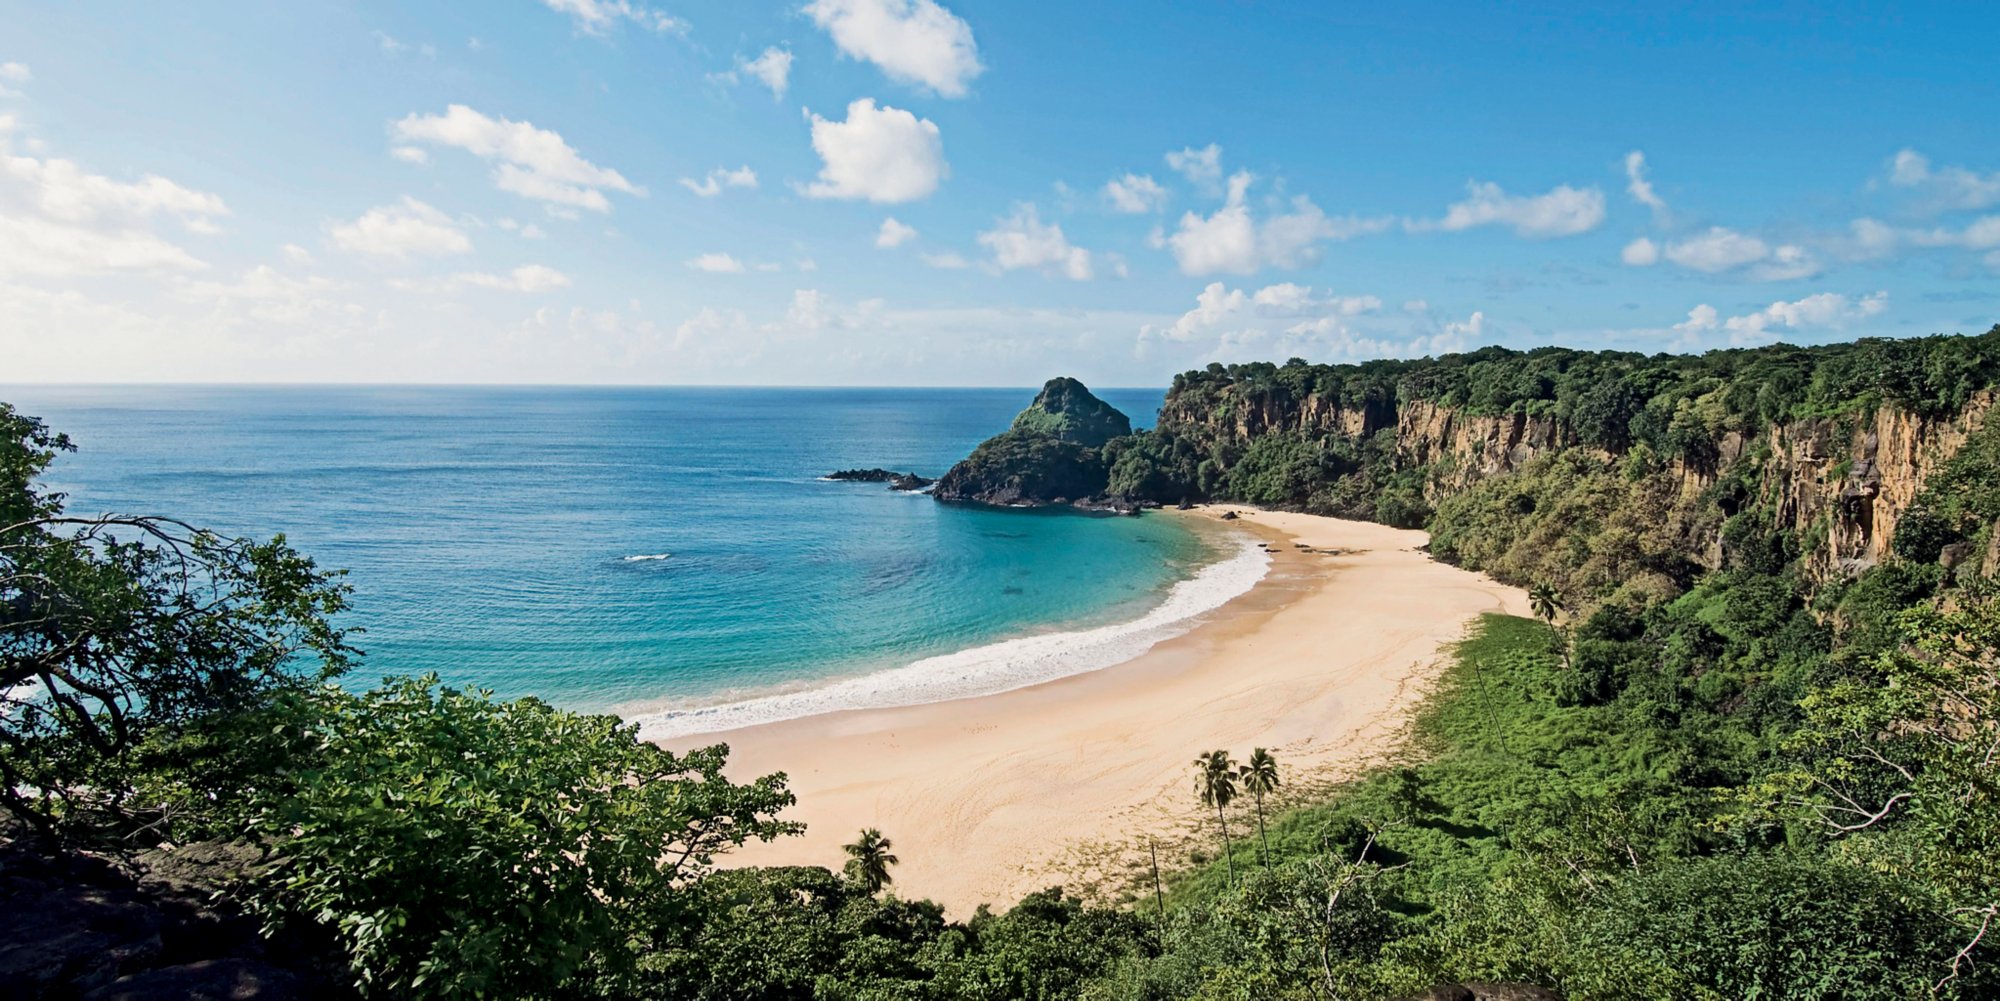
(1747, 751)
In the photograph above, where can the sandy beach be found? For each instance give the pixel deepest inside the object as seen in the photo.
(993, 797)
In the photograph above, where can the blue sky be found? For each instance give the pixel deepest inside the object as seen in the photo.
(885, 192)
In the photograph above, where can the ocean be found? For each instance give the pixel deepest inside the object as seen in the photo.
(670, 554)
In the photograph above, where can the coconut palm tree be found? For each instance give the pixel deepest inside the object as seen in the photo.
(868, 860)
(1546, 602)
(1260, 776)
(1215, 783)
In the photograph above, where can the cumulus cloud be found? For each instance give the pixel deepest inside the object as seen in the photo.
(894, 234)
(1640, 253)
(772, 68)
(1639, 187)
(265, 294)
(1720, 249)
(58, 219)
(51, 249)
(885, 155)
(407, 229)
(725, 265)
(1945, 188)
(528, 278)
(1135, 193)
(600, 17)
(1824, 311)
(66, 192)
(1562, 211)
(13, 73)
(1023, 241)
(1234, 241)
(1201, 166)
(949, 260)
(528, 161)
(913, 41)
(719, 178)
(410, 154)
(1291, 319)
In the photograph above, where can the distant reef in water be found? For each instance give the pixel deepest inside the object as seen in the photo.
(1057, 453)
(897, 481)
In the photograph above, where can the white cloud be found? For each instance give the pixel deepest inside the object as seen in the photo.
(885, 155)
(296, 254)
(599, 17)
(530, 162)
(1022, 240)
(64, 191)
(1946, 188)
(1288, 319)
(410, 154)
(1202, 166)
(264, 294)
(1135, 193)
(913, 41)
(52, 249)
(392, 47)
(1639, 187)
(407, 229)
(58, 220)
(14, 73)
(773, 68)
(949, 260)
(894, 234)
(1563, 211)
(719, 178)
(721, 264)
(1233, 241)
(1640, 253)
(528, 278)
(1720, 249)
(1824, 311)
(529, 231)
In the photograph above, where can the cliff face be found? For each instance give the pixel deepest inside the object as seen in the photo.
(1841, 483)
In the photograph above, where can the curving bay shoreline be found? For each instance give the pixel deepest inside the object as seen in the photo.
(1322, 661)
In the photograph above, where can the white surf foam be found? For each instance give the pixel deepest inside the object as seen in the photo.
(649, 557)
(985, 670)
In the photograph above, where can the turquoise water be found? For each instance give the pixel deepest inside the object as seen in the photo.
(628, 548)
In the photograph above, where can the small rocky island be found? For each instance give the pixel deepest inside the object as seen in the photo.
(1053, 455)
(905, 482)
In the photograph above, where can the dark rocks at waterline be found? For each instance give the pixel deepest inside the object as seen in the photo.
(906, 482)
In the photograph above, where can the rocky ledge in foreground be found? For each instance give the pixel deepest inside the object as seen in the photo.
(897, 481)
(1051, 456)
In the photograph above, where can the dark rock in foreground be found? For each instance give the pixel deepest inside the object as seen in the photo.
(896, 481)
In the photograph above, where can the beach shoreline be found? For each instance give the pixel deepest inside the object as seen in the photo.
(991, 797)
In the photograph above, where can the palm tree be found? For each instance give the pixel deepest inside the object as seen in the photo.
(1215, 783)
(1547, 603)
(868, 860)
(1260, 776)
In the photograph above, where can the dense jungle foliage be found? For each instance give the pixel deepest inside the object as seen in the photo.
(1693, 778)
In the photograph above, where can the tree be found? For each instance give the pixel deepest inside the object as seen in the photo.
(129, 636)
(456, 846)
(869, 860)
(1260, 777)
(1215, 783)
(1547, 604)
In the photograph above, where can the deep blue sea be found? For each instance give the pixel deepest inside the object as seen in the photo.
(652, 550)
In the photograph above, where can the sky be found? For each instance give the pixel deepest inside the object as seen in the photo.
(973, 192)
